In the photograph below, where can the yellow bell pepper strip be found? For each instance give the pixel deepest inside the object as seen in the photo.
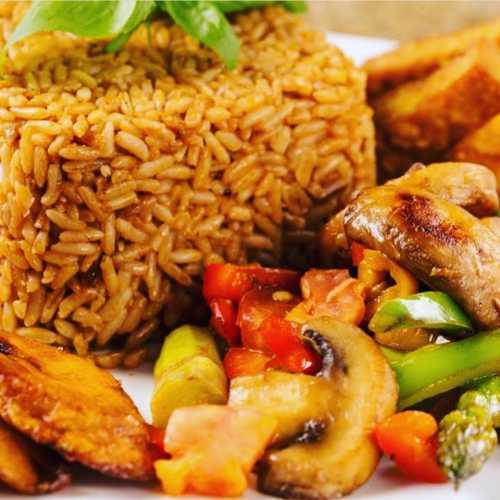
(434, 310)
(372, 271)
(438, 368)
(213, 449)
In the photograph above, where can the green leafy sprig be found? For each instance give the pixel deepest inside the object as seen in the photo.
(204, 20)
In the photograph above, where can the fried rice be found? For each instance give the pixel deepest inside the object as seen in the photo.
(125, 174)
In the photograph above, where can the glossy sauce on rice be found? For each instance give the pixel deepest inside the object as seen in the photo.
(125, 174)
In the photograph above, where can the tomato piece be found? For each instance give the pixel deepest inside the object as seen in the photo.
(228, 281)
(300, 359)
(223, 320)
(240, 361)
(333, 293)
(255, 307)
(214, 449)
(410, 437)
(357, 253)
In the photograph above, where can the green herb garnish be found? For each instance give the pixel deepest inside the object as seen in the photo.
(204, 20)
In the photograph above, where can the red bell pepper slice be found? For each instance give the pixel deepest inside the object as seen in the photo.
(410, 437)
(224, 314)
(228, 281)
(255, 307)
(240, 361)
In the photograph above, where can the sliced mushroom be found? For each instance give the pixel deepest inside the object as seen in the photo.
(28, 467)
(470, 186)
(68, 403)
(331, 416)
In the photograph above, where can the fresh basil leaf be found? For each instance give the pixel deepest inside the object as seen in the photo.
(296, 6)
(229, 6)
(89, 18)
(239, 5)
(206, 23)
(142, 11)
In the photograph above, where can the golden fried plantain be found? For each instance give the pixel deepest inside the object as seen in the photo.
(417, 59)
(65, 401)
(433, 113)
(482, 146)
(28, 467)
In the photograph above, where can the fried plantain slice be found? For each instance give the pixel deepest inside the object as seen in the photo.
(433, 113)
(417, 59)
(28, 467)
(65, 401)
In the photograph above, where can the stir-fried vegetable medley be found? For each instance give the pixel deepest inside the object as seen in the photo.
(301, 348)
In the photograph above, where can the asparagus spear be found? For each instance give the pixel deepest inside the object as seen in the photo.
(438, 368)
(467, 436)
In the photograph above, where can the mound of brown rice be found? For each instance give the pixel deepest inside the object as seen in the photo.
(125, 174)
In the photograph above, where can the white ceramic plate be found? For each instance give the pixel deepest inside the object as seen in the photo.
(386, 484)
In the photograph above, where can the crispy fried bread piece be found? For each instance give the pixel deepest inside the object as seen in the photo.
(470, 186)
(416, 59)
(482, 146)
(440, 243)
(434, 113)
(65, 401)
(28, 467)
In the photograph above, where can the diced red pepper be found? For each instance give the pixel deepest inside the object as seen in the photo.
(255, 307)
(240, 361)
(157, 438)
(223, 320)
(228, 281)
(357, 253)
(300, 359)
(410, 437)
(333, 293)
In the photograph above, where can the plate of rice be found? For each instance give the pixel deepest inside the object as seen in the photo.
(126, 173)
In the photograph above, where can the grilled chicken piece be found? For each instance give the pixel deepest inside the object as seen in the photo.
(470, 186)
(416, 59)
(27, 467)
(440, 243)
(65, 401)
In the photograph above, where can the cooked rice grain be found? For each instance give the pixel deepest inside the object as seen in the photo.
(125, 174)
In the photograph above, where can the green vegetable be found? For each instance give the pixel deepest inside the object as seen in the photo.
(204, 22)
(188, 372)
(467, 436)
(437, 368)
(90, 18)
(142, 11)
(432, 310)
(202, 19)
(185, 342)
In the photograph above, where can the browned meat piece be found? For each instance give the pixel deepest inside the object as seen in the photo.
(65, 401)
(482, 146)
(416, 59)
(27, 467)
(440, 243)
(433, 113)
(468, 185)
